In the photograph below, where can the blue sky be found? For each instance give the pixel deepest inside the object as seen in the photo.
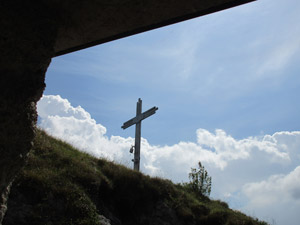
(235, 71)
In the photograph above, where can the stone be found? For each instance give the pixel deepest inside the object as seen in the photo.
(28, 32)
(104, 220)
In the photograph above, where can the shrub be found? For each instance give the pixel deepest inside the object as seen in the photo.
(200, 181)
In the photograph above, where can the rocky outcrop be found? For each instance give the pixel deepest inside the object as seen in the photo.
(103, 220)
(27, 38)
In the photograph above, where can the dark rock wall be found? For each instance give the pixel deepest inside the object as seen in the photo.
(27, 37)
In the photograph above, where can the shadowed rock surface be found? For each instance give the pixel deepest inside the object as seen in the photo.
(26, 50)
(88, 23)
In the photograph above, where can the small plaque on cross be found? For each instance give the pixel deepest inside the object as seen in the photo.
(137, 120)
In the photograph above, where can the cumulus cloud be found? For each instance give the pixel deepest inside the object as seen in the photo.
(229, 148)
(275, 189)
(276, 198)
(73, 124)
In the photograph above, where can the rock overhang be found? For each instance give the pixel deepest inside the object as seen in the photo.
(84, 24)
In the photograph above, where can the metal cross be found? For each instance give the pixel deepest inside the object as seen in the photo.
(138, 122)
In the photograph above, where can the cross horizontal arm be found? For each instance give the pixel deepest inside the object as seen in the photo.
(149, 112)
(129, 123)
(140, 117)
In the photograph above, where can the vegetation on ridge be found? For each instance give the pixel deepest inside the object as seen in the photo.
(61, 185)
(200, 181)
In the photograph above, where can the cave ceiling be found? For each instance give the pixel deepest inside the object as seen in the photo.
(88, 23)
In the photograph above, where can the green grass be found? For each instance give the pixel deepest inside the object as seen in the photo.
(61, 185)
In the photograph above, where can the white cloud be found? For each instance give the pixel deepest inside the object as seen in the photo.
(249, 166)
(52, 105)
(275, 189)
(76, 126)
(231, 149)
(276, 198)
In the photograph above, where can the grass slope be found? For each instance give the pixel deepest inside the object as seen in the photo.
(61, 185)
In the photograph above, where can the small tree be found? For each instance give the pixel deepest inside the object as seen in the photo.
(200, 181)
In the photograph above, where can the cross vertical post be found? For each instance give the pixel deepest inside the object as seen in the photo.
(138, 129)
(138, 125)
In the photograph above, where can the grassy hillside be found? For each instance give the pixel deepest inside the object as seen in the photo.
(61, 185)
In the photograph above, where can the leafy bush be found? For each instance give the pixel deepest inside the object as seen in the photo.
(200, 181)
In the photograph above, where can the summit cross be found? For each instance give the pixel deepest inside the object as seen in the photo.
(138, 123)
